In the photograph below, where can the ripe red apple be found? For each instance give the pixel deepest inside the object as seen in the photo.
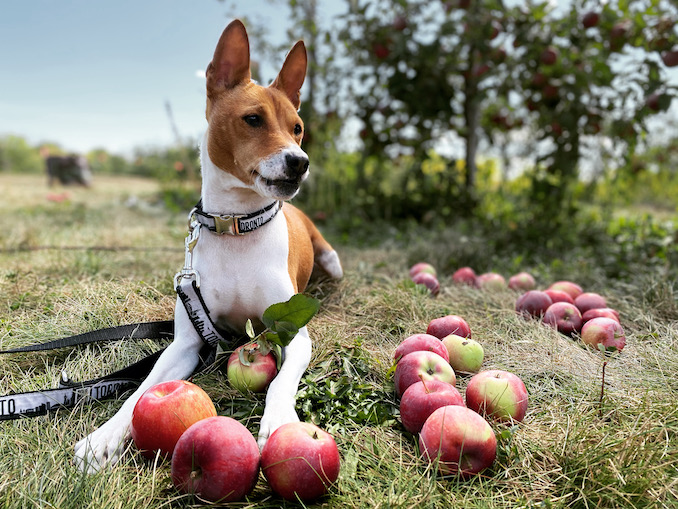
(422, 365)
(422, 267)
(254, 376)
(418, 342)
(499, 394)
(549, 56)
(428, 280)
(400, 23)
(600, 312)
(459, 439)
(652, 102)
(619, 34)
(522, 281)
(533, 304)
(420, 400)
(466, 354)
(670, 58)
(559, 296)
(464, 275)
(590, 19)
(604, 333)
(589, 300)
(300, 461)
(573, 289)
(380, 50)
(216, 459)
(564, 317)
(164, 412)
(491, 281)
(449, 324)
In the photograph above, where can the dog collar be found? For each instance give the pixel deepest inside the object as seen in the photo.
(235, 224)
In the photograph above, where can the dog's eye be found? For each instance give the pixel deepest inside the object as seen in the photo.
(297, 129)
(253, 120)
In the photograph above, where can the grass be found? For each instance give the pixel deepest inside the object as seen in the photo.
(574, 449)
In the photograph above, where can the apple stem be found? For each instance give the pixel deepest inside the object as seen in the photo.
(602, 388)
(315, 435)
(424, 382)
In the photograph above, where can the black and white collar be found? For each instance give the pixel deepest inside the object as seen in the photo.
(235, 224)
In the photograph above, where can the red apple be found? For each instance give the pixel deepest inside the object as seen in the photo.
(464, 275)
(420, 400)
(446, 325)
(428, 280)
(459, 439)
(400, 23)
(573, 289)
(256, 374)
(670, 58)
(533, 304)
(549, 56)
(652, 102)
(600, 312)
(589, 300)
(522, 281)
(216, 459)
(590, 19)
(421, 365)
(422, 267)
(418, 342)
(500, 395)
(300, 461)
(491, 281)
(604, 334)
(380, 50)
(559, 296)
(164, 412)
(564, 317)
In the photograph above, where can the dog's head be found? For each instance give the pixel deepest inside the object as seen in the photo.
(255, 132)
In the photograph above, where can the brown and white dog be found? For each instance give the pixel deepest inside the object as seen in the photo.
(251, 158)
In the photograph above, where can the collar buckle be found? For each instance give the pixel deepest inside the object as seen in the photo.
(228, 224)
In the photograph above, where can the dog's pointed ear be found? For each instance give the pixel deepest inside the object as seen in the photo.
(230, 65)
(292, 74)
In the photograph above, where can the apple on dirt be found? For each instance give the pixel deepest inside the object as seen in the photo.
(465, 276)
(449, 324)
(458, 440)
(491, 281)
(500, 395)
(164, 412)
(428, 280)
(465, 354)
(522, 281)
(300, 461)
(564, 317)
(605, 334)
(249, 369)
(216, 459)
(418, 342)
(422, 398)
(533, 304)
(422, 365)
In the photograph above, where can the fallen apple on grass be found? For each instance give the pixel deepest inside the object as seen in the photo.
(605, 334)
(497, 394)
(465, 354)
(216, 459)
(559, 296)
(248, 369)
(589, 300)
(422, 267)
(164, 412)
(523, 281)
(458, 441)
(422, 398)
(572, 289)
(465, 276)
(491, 281)
(300, 461)
(418, 342)
(449, 324)
(533, 304)
(564, 317)
(600, 312)
(427, 280)
(422, 365)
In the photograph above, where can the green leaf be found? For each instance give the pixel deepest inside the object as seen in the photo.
(285, 331)
(298, 311)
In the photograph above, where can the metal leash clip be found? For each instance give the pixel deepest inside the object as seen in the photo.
(188, 272)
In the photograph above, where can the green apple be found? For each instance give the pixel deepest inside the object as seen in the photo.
(466, 354)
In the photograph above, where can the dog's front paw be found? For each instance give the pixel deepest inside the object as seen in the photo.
(275, 416)
(102, 448)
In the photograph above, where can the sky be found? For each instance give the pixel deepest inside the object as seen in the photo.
(97, 74)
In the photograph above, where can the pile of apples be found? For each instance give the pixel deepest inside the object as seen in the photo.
(424, 273)
(218, 459)
(456, 436)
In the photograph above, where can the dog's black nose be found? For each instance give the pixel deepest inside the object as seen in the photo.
(296, 165)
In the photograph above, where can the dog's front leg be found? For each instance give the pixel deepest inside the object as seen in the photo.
(281, 394)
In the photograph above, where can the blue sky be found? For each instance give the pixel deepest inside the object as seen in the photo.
(87, 73)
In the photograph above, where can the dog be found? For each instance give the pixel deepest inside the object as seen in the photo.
(251, 158)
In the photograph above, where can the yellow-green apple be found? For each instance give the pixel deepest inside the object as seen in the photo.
(559, 296)
(573, 289)
(216, 459)
(250, 370)
(418, 342)
(449, 324)
(300, 461)
(564, 317)
(589, 300)
(164, 412)
(422, 267)
(500, 395)
(421, 399)
(600, 312)
(465, 276)
(604, 334)
(491, 281)
(522, 281)
(428, 280)
(533, 304)
(422, 365)
(465, 354)
(458, 440)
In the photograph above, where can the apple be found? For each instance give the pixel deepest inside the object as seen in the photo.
(549, 56)
(589, 300)
(400, 23)
(533, 304)
(428, 280)
(573, 289)
(522, 281)
(216, 459)
(256, 374)
(418, 342)
(564, 317)
(590, 19)
(499, 394)
(604, 334)
(619, 34)
(422, 365)
(421, 399)
(164, 412)
(380, 50)
(465, 276)
(422, 267)
(600, 312)
(446, 325)
(491, 281)
(465, 354)
(559, 296)
(670, 58)
(652, 102)
(459, 440)
(300, 461)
